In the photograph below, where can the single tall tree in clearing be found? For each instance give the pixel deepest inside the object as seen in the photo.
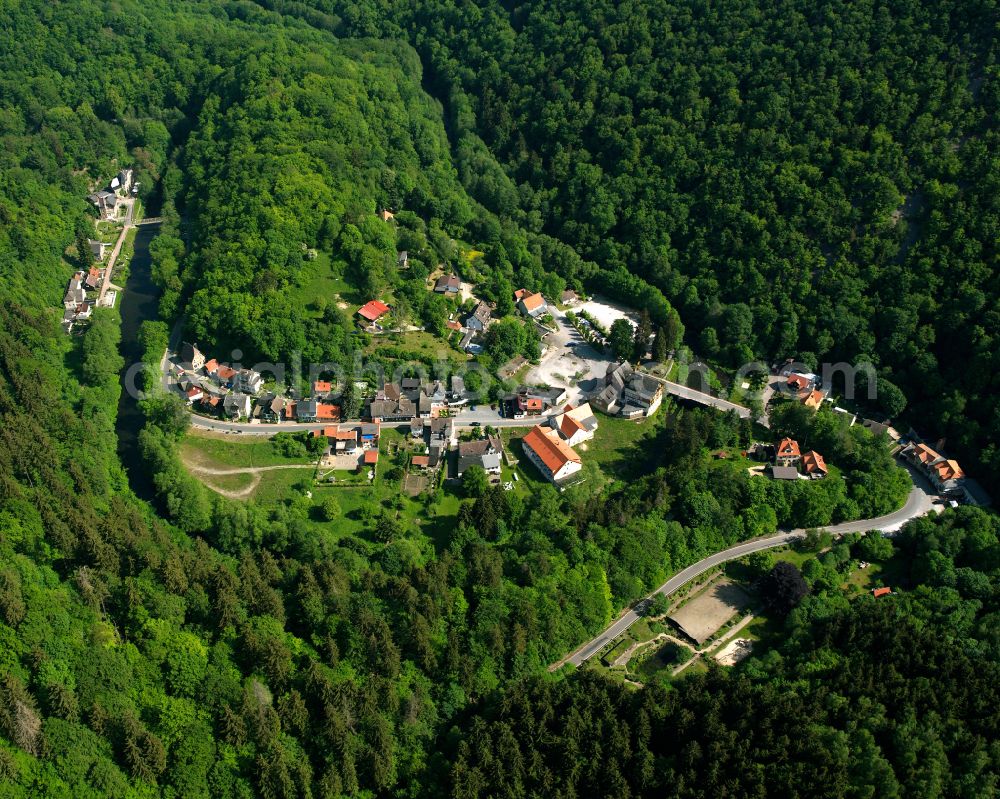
(660, 346)
(642, 334)
(783, 587)
(621, 338)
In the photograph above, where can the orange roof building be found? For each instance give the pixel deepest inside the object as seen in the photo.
(787, 452)
(884, 591)
(554, 458)
(211, 366)
(371, 457)
(814, 465)
(813, 399)
(322, 387)
(798, 383)
(531, 304)
(948, 470)
(373, 310)
(326, 412)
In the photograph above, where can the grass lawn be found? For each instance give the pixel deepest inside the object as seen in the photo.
(419, 342)
(221, 450)
(620, 448)
(318, 278)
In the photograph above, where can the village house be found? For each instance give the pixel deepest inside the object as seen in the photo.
(575, 424)
(273, 408)
(193, 393)
(553, 457)
(343, 440)
(527, 406)
(106, 203)
(75, 292)
(530, 304)
(484, 452)
(211, 404)
(97, 248)
(628, 393)
(192, 359)
(479, 319)
(784, 472)
(569, 297)
(223, 375)
(236, 405)
(248, 381)
(93, 280)
(312, 410)
(881, 428)
(321, 388)
(370, 458)
(371, 312)
(813, 465)
(84, 310)
(447, 284)
(798, 383)
(457, 392)
(813, 399)
(122, 182)
(370, 432)
(787, 452)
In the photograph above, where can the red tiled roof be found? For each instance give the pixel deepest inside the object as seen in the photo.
(530, 403)
(570, 426)
(948, 470)
(813, 399)
(788, 447)
(520, 293)
(532, 301)
(322, 387)
(225, 372)
(812, 461)
(325, 411)
(451, 324)
(371, 456)
(798, 382)
(420, 460)
(881, 591)
(329, 432)
(925, 454)
(550, 449)
(194, 391)
(211, 366)
(373, 310)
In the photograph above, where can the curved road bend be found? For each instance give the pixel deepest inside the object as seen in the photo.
(917, 504)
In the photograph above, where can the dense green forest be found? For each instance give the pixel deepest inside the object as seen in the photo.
(864, 698)
(799, 180)
(202, 647)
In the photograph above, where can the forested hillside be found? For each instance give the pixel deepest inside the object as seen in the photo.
(204, 647)
(797, 179)
(889, 698)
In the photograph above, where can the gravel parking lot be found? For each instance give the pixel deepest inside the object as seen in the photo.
(571, 362)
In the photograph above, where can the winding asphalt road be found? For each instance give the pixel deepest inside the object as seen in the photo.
(918, 503)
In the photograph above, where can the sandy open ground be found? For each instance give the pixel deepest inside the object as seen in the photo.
(703, 615)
